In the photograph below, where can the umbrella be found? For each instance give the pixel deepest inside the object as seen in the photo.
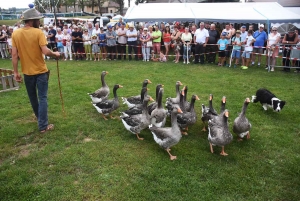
(285, 28)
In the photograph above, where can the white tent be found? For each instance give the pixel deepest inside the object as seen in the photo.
(221, 12)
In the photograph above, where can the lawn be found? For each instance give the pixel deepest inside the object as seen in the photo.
(88, 158)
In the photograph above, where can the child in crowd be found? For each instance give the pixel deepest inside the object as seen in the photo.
(236, 51)
(248, 50)
(102, 43)
(162, 58)
(95, 47)
(222, 45)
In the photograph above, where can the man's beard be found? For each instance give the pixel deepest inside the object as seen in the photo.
(36, 23)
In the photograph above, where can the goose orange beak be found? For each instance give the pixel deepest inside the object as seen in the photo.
(210, 97)
(226, 114)
(149, 82)
(197, 98)
(179, 110)
(248, 100)
(106, 72)
(224, 99)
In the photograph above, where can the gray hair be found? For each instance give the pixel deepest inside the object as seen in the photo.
(201, 23)
(212, 25)
(58, 29)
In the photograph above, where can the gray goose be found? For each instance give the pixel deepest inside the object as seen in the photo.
(170, 101)
(159, 114)
(102, 93)
(136, 123)
(134, 100)
(106, 107)
(208, 112)
(138, 108)
(218, 132)
(168, 136)
(153, 105)
(241, 125)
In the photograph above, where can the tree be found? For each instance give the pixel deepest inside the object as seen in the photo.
(121, 5)
(140, 1)
(100, 3)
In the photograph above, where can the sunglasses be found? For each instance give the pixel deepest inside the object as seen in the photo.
(274, 30)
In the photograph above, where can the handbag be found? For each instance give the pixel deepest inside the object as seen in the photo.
(64, 42)
(59, 45)
(149, 44)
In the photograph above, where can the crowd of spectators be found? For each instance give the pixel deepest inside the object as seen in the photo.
(148, 42)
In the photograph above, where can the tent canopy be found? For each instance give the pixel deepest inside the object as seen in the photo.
(221, 12)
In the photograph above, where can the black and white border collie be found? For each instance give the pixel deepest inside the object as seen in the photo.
(267, 99)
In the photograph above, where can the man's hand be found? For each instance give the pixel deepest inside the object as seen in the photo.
(17, 77)
(57, 54)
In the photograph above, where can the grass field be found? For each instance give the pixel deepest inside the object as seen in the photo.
(88, 158)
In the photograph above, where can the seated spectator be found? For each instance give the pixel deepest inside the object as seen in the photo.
(260, 39)
(248, 50)
(222, 45)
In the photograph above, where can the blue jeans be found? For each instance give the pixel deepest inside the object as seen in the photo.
(37, 90)
(185, 49)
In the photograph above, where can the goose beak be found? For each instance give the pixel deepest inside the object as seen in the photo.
(247, 100)
(151, 99)
(120, 86)
(182, 92)
(180, 83)
(210, 97)
(226, 114)
(106, 72)
(149, 82)
(179, 110)
(224, 99)
(162, 86)
(197, 98)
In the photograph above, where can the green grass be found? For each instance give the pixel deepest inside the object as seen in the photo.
(88, 158)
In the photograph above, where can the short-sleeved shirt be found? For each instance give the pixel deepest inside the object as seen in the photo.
(96, 31)
(244, 36)
(186, 37)
(213, 36)
(77, 42)
(201, 35)
(260, 38)
(52, 31)
(222, 43)
(155, 34)
(28, 42)
(133, 32)
(122, 39)
(249, 46)
(111, 41)
(227, 33)
(102, 38)
(238, 40)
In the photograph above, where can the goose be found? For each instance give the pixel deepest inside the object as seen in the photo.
(153, 105)
(133, 100)
(186, 103)
(188, 118)
(218, 132)
(159, 114)
(136, 123)
(170, 101)
(106, 107)
(241, 125)
(138, 108)
(223, 104)
(102, 93)
(208, 112)
(168, 136)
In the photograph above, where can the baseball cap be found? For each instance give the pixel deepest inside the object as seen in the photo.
(224, 34)
(244, 26)
(145, 29)
(109, 27)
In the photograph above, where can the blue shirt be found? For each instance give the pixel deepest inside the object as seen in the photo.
(222, 43)
(260, 38)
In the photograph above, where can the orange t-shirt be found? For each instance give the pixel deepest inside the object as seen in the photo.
(28, 42)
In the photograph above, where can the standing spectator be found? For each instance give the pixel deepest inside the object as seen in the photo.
(9, 41)
(139, 47)
(181, 28)
(132, 42)
(3, 37)
(87, 45)
(260, 39)
(58, 38)
(176, 42)
(289, 39)
(51, 36)
(236, 51)
(95, 47)
(250, 27)
(150, 42)
(272, 46)
(162, 30)
(211, 48)
(36, 73)
(232, 29)
(228, 31)
(96, 31)
(167, 40)
(222, 45)
(246, 56)
(207, 26)
(201, 37)
(119, 24)
(67, 44)
(17, 26)
(194, 28)
(67, 28)
(90, 28)
(186, 39)
(122, 41)
(111, 43)
(244, 33)
(102, 43)
(77, 43)
(156, 36)
(145, 38)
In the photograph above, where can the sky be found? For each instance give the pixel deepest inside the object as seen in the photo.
(14, 3)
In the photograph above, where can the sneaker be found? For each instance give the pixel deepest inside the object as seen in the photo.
(86, 59)
(244, 67)
(184, 62)
(272, 69)
(227, 65)
(252, 63)
(267, 68)
(234, 66)
(258, 64)
(91, 59)
(187, 62)
(65, 59)
(147, 59)
(144, 59)
(71, 59)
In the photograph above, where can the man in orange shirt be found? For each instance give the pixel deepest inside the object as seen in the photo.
(30, 44)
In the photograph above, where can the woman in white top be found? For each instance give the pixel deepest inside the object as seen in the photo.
(272, 47)
(87, 44)
(186, 39)
(67, 44)
(58, 38)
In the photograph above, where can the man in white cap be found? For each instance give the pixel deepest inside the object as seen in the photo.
(29, 43)
(260, 37)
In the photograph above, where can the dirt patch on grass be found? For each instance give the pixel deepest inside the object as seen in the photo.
(29, 119)
(24, 150)
(87, 139)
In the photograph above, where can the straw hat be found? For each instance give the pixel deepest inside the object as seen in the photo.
(31, 14)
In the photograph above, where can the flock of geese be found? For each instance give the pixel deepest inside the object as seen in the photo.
(141, 115)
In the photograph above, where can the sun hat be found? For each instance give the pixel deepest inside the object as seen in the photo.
(238, 32)
(131, 26)
(145, 29)
(262, 26)
(31, 14)
(50, 25)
